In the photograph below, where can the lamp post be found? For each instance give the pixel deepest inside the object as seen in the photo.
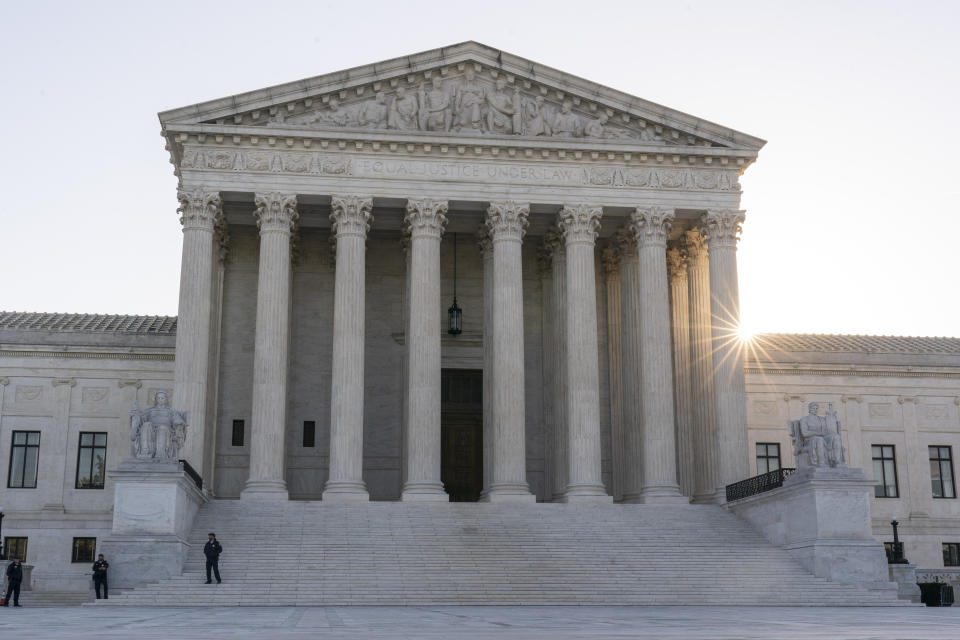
(897, 555)
(2, 552)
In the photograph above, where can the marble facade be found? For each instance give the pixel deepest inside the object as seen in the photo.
(596, 269)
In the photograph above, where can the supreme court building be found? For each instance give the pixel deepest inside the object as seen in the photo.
(456, 276)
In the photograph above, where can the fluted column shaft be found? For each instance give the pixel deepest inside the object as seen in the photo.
(706, 454)
(507, 222)
(580, 224)
(722, 229)
(486, 251)
(611, 267)
(276, 214)
(631, 365)
(199, 212)
(558, 301)
(426, 221)
(653, 225)
(350, 223)
(683, 392)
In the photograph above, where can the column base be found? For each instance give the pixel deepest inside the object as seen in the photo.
(265, 490)
(345, 491)
(587, 493)
(424, 492)
(663, 494)
(509, 492)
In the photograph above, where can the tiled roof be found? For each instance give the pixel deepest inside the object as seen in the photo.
(855, 343)
(88, 323)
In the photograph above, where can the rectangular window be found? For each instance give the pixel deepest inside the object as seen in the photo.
(14, 548)
(84, 549)
(885, 471)
(237, 437)
(768, 457)
(91, 460)
(24, 454)
(941, 472)
(951, 554)
(309, 433)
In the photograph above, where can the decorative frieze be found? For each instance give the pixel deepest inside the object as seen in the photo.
(453, 169)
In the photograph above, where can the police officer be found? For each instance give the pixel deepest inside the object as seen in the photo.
(14, 578)
(100, 576)
(212, 550)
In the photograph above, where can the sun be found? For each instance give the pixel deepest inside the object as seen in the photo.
(745, 333)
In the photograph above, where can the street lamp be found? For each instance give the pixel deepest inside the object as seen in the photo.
(2, 555)
(897, 556)
(455, 313)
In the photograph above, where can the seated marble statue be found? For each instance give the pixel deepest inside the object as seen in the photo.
(157, 432)
(816, 438)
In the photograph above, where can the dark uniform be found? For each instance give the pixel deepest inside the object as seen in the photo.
(100, 578)
(212, 550)
(14, 578)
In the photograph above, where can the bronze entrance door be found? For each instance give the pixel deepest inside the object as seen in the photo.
(461, 419)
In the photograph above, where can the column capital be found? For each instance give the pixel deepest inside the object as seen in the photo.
(553, 242)
(722, 227)
(580, 223)
(425, 217)
(611, 259)
(507, 220)
(199, 208)
(351, 215)
(653, 225)
(676, 263)
(275, 212)
(626, 239)
(484, 241)
(694, 245)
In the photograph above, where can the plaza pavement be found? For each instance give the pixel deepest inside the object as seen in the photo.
(521, 623)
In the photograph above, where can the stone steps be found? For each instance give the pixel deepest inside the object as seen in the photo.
(310, 553)
(54, 598)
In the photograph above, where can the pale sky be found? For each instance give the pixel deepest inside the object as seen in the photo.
(852, 207)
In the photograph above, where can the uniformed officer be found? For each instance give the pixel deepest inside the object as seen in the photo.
(212, 550)
(14, 578)
(100, 576)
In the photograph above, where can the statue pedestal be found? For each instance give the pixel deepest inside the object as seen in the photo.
(905, 575)
(154, 506)
(821, 516)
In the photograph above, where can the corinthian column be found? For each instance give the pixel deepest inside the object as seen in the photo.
(580, 224)
(653, 225)
(351, 222)
(558, 301)
(683, 393)
(507, 222)
(199, 213)
(486, 253)
(705, 453)
(276, 216)
(630, 367)
(425, 220)
(722, 229)
(611, 268)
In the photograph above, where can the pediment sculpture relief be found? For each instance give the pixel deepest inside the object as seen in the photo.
(469, 104)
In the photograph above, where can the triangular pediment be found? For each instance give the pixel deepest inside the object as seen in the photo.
(468, 90)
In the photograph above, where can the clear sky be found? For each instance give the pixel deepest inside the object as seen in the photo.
(852, 208)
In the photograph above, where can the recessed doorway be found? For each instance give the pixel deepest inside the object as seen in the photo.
(461, 433)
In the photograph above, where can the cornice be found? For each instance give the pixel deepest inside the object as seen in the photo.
(87, 355)
(856, 373)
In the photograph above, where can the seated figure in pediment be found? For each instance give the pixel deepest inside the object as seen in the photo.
(468, 103)
(535, 119)
(567, 124)
(595, 128)
(501, 108)
(373, 112)
(434, 107)
(403, 111)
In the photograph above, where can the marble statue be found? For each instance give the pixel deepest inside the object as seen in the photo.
(535, 119)
(468, 103)
(595, 128)
(816, 439)
(403, 111)
(435, 111)
(373, 113)
(157, 432)
(567, 124)
(502, 108)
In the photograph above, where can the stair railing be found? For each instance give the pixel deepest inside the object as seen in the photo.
(758, 484)
(192, 474)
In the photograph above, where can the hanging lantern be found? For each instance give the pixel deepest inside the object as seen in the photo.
(454, 313)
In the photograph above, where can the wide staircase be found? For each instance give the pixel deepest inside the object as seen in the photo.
(389, 553)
